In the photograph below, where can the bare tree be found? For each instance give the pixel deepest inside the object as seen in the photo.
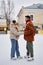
(7, 7)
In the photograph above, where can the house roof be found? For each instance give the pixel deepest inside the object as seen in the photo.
(34, 6)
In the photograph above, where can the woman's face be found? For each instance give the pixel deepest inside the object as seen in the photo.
(15, 25)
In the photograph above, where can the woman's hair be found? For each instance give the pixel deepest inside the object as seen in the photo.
(14, 21)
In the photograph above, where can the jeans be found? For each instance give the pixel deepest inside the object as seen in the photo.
(29, 48)
(14, 48)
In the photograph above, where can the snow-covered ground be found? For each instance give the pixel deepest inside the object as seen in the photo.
(5, 47)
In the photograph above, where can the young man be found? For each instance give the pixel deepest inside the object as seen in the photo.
(14, 35)
(29, 37)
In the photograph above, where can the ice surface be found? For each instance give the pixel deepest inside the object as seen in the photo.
(5, 47)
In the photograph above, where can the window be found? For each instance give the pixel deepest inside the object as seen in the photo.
(42, 27)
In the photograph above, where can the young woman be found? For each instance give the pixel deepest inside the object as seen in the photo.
(14, 36)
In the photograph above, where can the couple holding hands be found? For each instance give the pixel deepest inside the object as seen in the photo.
(28, 36)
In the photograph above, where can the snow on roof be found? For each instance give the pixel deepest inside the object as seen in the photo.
(34, 6)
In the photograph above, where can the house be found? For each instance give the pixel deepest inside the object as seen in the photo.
(36, 13)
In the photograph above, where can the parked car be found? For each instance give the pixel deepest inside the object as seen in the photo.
(3, 25)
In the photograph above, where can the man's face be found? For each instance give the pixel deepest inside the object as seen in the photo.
(26, 19)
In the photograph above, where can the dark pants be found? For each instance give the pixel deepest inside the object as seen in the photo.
(14, 48)
(29, 48)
